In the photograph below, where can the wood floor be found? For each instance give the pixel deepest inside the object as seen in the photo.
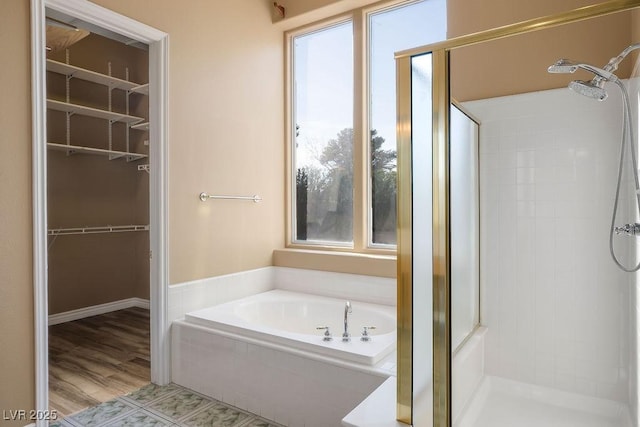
(96, 359)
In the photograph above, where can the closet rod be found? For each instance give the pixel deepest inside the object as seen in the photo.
(95, 230)
(255, 198)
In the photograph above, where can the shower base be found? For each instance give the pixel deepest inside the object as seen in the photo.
(500, 402)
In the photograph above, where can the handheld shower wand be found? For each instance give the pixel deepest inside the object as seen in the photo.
(595, 89)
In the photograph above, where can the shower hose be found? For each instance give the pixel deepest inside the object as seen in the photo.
(627, 136)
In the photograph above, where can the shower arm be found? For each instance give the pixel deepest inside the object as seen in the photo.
(613, 63)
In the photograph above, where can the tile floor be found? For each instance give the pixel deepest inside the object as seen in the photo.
(171, 405)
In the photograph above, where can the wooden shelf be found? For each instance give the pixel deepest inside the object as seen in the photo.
(111, 154)
(91, 112)
(141, 126)
(90, 76)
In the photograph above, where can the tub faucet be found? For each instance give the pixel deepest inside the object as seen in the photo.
(347, 309)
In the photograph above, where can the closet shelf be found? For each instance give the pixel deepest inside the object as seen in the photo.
(91, 112)
(90, 76)
(96, 230)
(142, 89)
(141, 126)
(112, 154)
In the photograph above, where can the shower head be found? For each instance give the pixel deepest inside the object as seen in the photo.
(593, 88)
(589, 89)
(565, 66)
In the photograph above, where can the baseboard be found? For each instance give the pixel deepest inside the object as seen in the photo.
(94, 310)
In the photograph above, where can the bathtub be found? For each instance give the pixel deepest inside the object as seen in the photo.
(291, 319)
(264, 354)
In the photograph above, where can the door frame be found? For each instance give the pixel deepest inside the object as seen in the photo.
(158, 42)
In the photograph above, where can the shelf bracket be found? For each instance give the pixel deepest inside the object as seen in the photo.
(68, 127)
(144, 168)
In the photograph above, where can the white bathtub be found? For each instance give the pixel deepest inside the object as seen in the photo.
(290, 319)
(263, 354)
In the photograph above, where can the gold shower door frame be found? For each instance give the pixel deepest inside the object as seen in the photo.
(441, 249)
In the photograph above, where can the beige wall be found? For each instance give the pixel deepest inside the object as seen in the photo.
(225, 132)
(465, 17)
(300, 12)
(635, 38)
(16, 290)
(519, 64)
(528, 55)
(86, 190)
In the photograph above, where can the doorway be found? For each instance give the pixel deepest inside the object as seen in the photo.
(96, 17)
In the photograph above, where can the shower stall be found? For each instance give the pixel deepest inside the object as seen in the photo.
(519, 222)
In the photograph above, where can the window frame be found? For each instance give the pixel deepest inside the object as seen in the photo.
(362, 186)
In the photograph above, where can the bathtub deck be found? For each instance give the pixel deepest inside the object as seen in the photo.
(291, 319)
(503, 403)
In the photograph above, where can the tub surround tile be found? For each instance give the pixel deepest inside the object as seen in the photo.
(202, 293)
(317, 391)
(371, 289)
(283, 380)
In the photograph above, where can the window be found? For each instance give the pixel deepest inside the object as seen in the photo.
(343, 152)
(323, 97)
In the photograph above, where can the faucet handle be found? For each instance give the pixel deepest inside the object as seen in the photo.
(327, 333)
(365, 333)
(629, 229)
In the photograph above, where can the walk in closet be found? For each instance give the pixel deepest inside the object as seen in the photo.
(98, 212)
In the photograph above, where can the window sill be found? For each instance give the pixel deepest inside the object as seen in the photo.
(339, 262)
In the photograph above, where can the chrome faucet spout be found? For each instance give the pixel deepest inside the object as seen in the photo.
(347, 310)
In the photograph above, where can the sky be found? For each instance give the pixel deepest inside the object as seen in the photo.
(323, 73)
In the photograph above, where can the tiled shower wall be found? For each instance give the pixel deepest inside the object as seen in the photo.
(556, 307)
(634, 395)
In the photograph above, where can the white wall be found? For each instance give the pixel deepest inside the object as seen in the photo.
(555, 305)
(634, 297)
